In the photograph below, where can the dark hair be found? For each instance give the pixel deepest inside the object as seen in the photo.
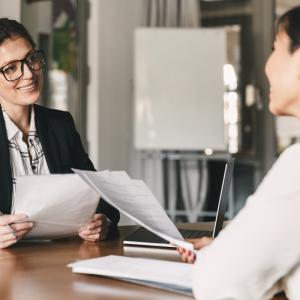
(11, 28)
(290, 23)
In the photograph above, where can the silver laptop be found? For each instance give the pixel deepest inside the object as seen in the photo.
(143, 237)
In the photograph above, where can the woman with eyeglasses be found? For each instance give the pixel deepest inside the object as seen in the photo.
(258, 253)
(35, 139)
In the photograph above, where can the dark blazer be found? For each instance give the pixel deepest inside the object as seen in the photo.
(62, 148)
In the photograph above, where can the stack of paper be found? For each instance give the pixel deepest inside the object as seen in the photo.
(168, 275)
(57, 204)
(60, 204)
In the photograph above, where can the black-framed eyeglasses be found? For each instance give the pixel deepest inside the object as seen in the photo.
(15, 69)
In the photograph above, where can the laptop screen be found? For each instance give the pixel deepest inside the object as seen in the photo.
(224, 195)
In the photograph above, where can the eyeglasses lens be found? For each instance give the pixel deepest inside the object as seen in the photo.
(13, 71)
(35, 61)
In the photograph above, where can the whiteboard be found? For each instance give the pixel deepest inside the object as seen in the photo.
(179, 89)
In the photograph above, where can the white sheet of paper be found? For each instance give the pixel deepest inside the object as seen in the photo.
(162, 272)
(134, 199)
(58, 204)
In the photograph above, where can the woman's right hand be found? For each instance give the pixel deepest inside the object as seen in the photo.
(188, 255)
(13, 228)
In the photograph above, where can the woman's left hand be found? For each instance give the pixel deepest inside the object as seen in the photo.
(96, 230)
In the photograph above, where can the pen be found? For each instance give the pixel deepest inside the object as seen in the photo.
(11, 229)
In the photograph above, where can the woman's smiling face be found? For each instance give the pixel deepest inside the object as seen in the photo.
(27, 89)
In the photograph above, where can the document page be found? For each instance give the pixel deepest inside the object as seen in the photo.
(134, 199)
(166, 274)
(57, 204)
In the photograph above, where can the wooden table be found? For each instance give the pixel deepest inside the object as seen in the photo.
(38, 271)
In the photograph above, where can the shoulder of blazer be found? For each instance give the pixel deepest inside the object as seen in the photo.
(60, 122)
(52, 116)
(57, 133)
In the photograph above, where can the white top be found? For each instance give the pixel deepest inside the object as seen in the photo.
(24, 160)
(261, 245)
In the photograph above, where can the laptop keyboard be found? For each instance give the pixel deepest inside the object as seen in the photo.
(145, 236)
(194, 234)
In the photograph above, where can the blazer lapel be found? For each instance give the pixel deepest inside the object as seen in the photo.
(5, 169)
(48, 140)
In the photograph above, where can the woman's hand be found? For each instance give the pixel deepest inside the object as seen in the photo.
(13, 228)
(96, 230)
(188, 255)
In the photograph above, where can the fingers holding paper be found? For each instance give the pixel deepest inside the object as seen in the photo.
(96, 230)
(13, 228)
(189, 256)
(21, 229)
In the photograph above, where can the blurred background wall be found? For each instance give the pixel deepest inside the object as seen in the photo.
(90, 48)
